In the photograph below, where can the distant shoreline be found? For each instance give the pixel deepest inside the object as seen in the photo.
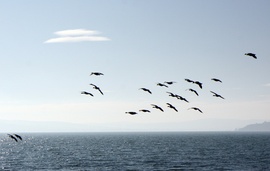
(257, 127)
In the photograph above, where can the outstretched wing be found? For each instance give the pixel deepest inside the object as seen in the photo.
(18, 136)
(100, 91)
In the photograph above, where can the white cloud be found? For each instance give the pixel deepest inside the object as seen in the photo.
(77, 39)
(76, 35)
(76, 32)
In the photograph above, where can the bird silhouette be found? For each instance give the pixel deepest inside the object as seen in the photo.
(195, 108)
(188, 80)
(97, 88)
(96, 73)
(11, 136)
(87, 93)
(157, 107)
(172, 107)
(252, 55)
(169, 82)
(216, 80)
(198, 83)
(145, 89)
(144, 110)
(217, 95)
(181, 98)
(18, 136)
(194, 91)
(171, 94)
(162, 85)
(131, 113)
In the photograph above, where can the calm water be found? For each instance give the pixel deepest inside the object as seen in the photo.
(137, 151)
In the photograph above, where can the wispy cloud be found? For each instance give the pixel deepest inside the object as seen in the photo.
(76, 35)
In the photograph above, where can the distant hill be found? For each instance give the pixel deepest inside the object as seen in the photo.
(260, 127)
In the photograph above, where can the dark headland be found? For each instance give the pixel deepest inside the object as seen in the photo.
(258, 127)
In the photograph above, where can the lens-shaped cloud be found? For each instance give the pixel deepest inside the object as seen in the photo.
(77, 35)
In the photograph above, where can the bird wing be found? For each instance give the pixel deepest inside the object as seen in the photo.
(215, 79)
(195, 92)
(145, 89)
(93, 85)
(157, 107)
(185, 100)
(11, 136)
(18, 136)
(100, 91)
(254, 56)
(199, 110)
(171, 94)
(190, 81)
(168, 104)
(171, 106)
(145, 110)
(160, 109)
(220, 96)
(199, 84)
(86, 93)
(214, 93)
(96, 73)
(160, 84)
(89, 94)
(175, 109)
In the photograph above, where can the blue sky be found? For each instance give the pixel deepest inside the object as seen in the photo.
(135, 44)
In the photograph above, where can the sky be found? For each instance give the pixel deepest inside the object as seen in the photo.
(49, 49)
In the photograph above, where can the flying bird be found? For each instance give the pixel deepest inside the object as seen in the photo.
(145, 110)
(169, 82)
(157, 107)
(217, 95)
(131, 113)
(181, 98)
(195, 108)
(11, 136)
(172, 107)
(18, 136)
(97, 88)
(194, 91)
(87, 93)
(145, 89)
(171, 94)
(188, 80)
(198, 83)
(252, 55)
(162, 85)
(96, 73)
(216, 80)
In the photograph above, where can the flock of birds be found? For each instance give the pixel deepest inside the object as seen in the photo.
(167, 84)
(169, 105)
(17, 137)
(94, 86)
